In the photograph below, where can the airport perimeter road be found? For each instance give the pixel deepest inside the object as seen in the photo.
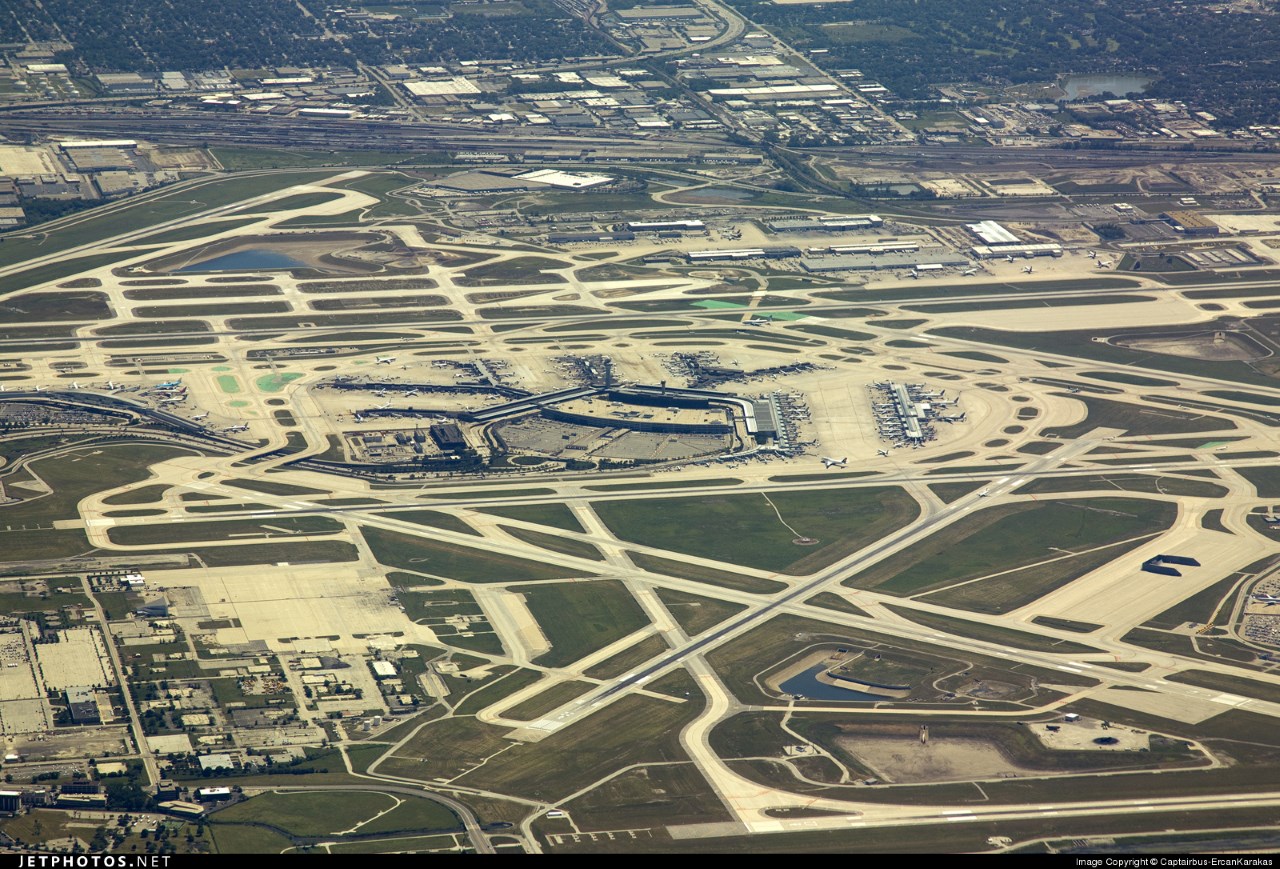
(842, 569)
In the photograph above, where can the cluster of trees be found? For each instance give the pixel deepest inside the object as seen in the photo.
(534, 30)
(140, 35)
(186, 34)
(1225, 63)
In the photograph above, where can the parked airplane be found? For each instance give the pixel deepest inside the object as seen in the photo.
(359, 417)
(412, 392)
(1104, 263)
(39, 388)
(968, 273)
(383, 406)
(1269, 599)
(75, 384)
(244, 426)
(171, 384)
(112, 386)
(199, 416)
(1009, 257)
(1093, 254)
(1026, 270)
(828, 462)
(883, 452)
(984, 493)
(173, 399)
(384, 360)
(758, 321)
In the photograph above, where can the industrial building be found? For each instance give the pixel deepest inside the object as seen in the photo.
(995, 251)
(992, 233)
(448, 437)
(924, 260)
(585, 237)
(852, 222)
(702, 256)
(1191, 223)
(667, 226)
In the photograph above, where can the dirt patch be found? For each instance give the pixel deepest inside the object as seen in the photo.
(1212, 346)
(908, 760)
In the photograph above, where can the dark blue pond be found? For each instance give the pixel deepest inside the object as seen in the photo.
(246, 261)
(807, 684)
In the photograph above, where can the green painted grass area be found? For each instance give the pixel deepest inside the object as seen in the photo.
(239, 402)
(716, 305)
(747, 530)
(275, 382)
(229, 383)
(456, 562)
(580, 618)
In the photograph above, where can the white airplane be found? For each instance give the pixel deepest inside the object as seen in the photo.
(173, 399)
(383, 406)
(359, 417)
(75, 384)
(384, 360)
(984, 493)
(968, 273)
(1026, 270)
(412, 392)
(199, 416)
(828, 462)
(883, 452)
(914, 273)
(112, 386)
(1104, 263)
(1093, 254)
(758, 321)
(1009, 257)
(244, 426)
(1268, 599)
(39, 388)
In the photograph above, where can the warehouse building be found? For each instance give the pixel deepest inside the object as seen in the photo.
(666, 226)
(990, 232)
(995, 251)
(928, 260)
(852, 222)
(1191, 223)
(703, 256)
